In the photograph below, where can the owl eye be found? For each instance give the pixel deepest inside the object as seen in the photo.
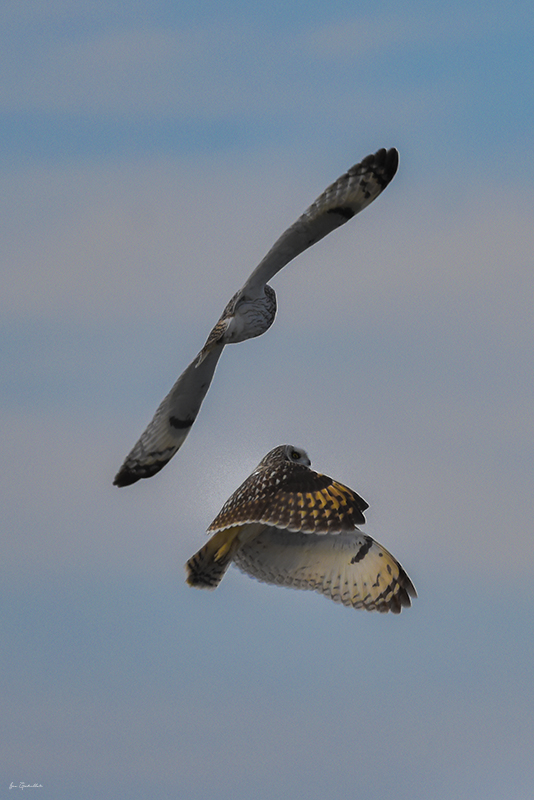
(295, 455)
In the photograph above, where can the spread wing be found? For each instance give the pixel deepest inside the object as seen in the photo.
(171, 423)
(294, 497)
(341, 201)
(350, 568)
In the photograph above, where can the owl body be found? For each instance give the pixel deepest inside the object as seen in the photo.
(253, 315)
(291, 526)
(244, 317)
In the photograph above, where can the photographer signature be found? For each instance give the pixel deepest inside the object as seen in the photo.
(23, 785)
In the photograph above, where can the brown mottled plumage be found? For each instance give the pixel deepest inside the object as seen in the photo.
(291, 526)
(286, 493)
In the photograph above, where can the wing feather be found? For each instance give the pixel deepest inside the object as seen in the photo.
(350, 568)
(171, 423)
(293, 497)
(341, 201)
(174, 417)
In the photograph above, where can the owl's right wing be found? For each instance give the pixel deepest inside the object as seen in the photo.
(341, 201)
(293, 497)
(350, 568)
(171, 423)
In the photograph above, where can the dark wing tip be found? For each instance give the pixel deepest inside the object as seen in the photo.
(354, 515)
(128, 475)
(406, 591)
(386, 162)
(391, 162)
(125, 478)
(408, 585)
(361, 506)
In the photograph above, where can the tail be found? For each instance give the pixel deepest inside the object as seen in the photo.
(206, 568)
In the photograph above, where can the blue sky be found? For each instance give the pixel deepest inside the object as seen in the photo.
(150, 157)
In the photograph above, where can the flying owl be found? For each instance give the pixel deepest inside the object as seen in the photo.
(251, 311)
(291, 526)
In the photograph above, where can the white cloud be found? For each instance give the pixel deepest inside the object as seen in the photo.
(139, 70)
(134, 68)
(358, 37)
(145, 242)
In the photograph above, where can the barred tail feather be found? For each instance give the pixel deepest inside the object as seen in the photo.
(206, 569)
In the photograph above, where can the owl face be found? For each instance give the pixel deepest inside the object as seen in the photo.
(297, 455)
(285, 452)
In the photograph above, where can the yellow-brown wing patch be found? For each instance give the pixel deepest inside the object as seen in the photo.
(324, 509)
(294, 497)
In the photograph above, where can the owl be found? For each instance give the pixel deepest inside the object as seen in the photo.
(251, 311)
(290, 526)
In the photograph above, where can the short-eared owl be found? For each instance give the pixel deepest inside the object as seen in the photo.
(291, 526)
(251, 311)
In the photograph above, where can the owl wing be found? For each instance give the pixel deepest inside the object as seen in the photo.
(171, 423)
(294, 497)
(350, 567)
(175, 415)
(341, 201)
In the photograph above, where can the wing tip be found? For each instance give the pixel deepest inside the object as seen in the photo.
(402, 598)
(127, 475)
(388, 162)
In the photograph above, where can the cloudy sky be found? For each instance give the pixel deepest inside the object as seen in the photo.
(150, 155)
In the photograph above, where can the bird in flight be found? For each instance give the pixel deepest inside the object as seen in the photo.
(251, 311)
(290, 526)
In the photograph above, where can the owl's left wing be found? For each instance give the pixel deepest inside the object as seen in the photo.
(350, 568)
(341, 201)
(171, 423)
